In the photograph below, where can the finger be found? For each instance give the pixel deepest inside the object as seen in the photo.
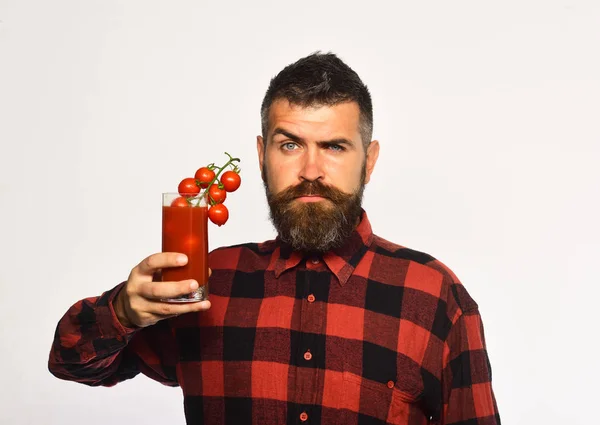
(166, 310)
(160, 260)
(160, 290)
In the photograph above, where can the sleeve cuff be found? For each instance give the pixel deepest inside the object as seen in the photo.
(109, 323)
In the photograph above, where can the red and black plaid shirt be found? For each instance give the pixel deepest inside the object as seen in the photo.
(371, 333)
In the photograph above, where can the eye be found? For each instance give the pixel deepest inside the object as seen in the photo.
(289, 146)
(336, 148)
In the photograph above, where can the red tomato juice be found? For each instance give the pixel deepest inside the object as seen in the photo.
(185, 231)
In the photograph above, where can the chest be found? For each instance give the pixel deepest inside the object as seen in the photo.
(307, 339)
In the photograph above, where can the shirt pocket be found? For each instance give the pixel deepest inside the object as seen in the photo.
(383, 401)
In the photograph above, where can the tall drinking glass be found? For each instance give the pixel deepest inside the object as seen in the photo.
(184, 230)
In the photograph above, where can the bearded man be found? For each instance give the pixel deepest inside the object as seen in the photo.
(326, 324)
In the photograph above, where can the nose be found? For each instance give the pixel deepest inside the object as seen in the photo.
(311, 168)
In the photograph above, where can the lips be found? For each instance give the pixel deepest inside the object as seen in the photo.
(310, 199)
(311, 192)
(311, 196)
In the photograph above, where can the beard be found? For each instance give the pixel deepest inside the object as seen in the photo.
(315, 227)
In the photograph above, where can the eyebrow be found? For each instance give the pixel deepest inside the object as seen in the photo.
(295, 138)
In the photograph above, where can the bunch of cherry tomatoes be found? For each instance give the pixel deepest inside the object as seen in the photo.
(214, 186)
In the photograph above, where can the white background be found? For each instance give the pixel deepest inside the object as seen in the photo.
(488, 117)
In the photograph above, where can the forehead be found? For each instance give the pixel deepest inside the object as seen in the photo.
(316, 122)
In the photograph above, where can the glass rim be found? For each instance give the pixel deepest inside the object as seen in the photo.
(168, 197)
(181, 194)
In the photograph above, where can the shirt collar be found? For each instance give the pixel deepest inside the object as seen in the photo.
(341, 261)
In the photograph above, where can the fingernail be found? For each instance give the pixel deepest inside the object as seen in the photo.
(194, 285)
(181, 259)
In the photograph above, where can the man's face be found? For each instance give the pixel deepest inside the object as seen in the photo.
(314, 167)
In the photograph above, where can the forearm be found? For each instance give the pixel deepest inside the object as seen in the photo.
(90, 344)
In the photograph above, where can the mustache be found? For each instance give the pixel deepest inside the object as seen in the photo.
(312, 188)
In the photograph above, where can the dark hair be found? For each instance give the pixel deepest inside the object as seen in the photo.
(320, 79)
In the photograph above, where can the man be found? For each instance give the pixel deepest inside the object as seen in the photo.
(327, 324)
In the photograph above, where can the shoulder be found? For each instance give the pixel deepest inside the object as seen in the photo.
(426, 273)
(251, 253)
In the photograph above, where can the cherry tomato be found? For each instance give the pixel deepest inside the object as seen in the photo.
(204, 176)
(218, 214)
(231, 181)
(188, 186)
(217, 194)
(180, 202)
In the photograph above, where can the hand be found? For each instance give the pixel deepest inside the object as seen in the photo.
(139, 301)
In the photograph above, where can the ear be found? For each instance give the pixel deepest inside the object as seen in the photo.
(260, 148)
(372, 155)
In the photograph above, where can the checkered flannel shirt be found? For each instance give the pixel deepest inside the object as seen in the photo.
(370, 333)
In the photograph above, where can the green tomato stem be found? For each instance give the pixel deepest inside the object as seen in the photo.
(217, 174)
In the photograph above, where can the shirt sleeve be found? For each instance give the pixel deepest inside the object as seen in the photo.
(467, 375)
(92, 347)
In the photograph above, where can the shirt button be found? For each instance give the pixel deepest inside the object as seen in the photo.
(307, 356)
(311, 298)
(315, 261)
(303, 416)
(390, 384)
